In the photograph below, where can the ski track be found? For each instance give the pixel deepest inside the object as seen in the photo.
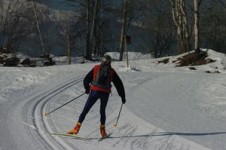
(41, 122)
(129, 134)
(28, 116)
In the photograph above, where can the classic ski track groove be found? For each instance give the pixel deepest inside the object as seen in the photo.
(39, 120)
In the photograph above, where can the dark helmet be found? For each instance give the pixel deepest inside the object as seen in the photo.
(106, 58)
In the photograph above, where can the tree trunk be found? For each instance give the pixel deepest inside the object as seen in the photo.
(89, 25)
(196, 25)
(180, 20)
(38, 27)
(94, 22)
(124, 22)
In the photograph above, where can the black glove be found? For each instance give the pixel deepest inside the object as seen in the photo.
(87, 91)
(123, 100)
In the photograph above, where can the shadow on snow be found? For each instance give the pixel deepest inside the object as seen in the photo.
(169, 134)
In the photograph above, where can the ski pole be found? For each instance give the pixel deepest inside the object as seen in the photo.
(47, 113)
(118, 115)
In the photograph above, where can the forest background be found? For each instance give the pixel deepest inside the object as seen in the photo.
(91, 28)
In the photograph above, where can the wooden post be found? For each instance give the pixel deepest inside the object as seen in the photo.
(68, 38)
(127, 55)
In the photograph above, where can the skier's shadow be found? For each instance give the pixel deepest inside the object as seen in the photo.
(170, 134)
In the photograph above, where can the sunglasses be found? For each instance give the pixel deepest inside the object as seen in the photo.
(106, 62)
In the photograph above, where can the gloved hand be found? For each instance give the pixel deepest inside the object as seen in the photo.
(123, 100)
(87, 91)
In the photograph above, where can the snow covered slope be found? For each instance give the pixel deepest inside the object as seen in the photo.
(167, 108)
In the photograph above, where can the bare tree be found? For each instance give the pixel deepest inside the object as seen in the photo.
(91, 14)
(123, 29)
(212, 25)
(97, 16)
(159, 27)
(38, 27)
(181, 22)
(94, 25)
(196, 24)
(88, 24)
(14, 24)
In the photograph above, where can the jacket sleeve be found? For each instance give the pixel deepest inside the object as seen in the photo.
(88, 79)
(119, 85)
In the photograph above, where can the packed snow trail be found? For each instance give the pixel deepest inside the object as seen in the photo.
(177, 103)
(22, 123)
(131, 133)
(166, 111)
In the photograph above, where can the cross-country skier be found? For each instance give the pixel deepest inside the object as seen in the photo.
(97, 84)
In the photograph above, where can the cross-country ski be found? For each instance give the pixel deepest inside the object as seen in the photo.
(79, 137)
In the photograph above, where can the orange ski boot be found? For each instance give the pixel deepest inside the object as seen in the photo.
(75, 130)
(102, 131)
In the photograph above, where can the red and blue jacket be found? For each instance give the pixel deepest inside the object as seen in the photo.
(89, 81)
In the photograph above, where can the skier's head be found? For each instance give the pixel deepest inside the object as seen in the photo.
(106, 59)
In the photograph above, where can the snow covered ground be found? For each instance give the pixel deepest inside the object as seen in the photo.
(168, 107)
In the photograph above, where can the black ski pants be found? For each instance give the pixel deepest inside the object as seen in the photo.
(92, 99)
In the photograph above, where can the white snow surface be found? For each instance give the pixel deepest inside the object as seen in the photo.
(167, 108)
